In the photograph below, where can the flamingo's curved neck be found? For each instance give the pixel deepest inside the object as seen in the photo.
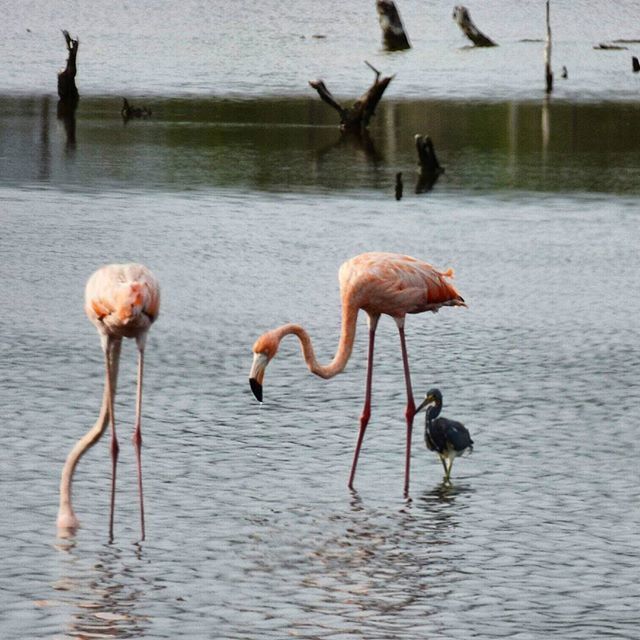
(66, 516)
(345, 346)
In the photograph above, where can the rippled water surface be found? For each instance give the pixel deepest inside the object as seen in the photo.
(245, 206)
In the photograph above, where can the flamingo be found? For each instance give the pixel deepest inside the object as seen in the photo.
(122, 301)
(379, 283)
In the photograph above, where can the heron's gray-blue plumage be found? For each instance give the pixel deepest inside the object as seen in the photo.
(448, 438)
(443, 435)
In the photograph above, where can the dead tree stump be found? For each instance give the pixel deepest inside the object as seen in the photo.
(548, 74)
(67, 89)
(355, 118)
(394, 37)
(429, 169)
(462, 17)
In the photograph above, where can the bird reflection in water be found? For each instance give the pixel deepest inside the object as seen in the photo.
(104, 598)
(381, 561)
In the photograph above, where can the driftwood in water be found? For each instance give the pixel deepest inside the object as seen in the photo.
(605, 46)
(356, 117)
(635, 64)
(129, 111)
(67, 89)
(462, 17)
(394, 37)
(430, 169)
(548, 74)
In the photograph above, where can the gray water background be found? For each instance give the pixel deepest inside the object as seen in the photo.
(241, 196)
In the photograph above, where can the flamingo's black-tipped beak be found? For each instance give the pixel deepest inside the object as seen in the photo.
(256, 387)
(256, 375)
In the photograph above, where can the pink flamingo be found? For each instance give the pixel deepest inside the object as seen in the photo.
(122, 301)
(378, 283)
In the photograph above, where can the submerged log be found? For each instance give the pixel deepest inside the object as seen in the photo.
(635, 64)
(462, 17)
(430, 169)
(67, 89)
(605, 46)
(394, 37)
(356, 117)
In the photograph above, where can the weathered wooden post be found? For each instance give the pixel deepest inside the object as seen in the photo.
(356, 117)
(399, 186)
(68, 92)
(547, 56)
(394, 37)
(462, 17)
(67, 89)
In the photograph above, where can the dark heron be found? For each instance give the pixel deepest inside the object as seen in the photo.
(448, 438)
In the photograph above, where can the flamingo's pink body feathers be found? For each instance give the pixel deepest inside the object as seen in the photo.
(394, 284)
(122, 300)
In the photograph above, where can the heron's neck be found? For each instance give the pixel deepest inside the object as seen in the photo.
(345, 346)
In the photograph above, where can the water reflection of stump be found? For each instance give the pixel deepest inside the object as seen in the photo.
(430, 169)
(67, 114)
(359, 140)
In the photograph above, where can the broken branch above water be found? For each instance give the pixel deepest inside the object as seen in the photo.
(356, 117)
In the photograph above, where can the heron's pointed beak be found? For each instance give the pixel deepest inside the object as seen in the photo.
(256, 375)
(423, 404)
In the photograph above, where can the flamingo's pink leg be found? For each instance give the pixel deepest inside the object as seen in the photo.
(137, 433)
(410, 411)
(110, 347)
(366, 411)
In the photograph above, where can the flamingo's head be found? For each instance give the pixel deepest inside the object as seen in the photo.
(264, 349)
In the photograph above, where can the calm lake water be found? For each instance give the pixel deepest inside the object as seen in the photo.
(244, 199)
